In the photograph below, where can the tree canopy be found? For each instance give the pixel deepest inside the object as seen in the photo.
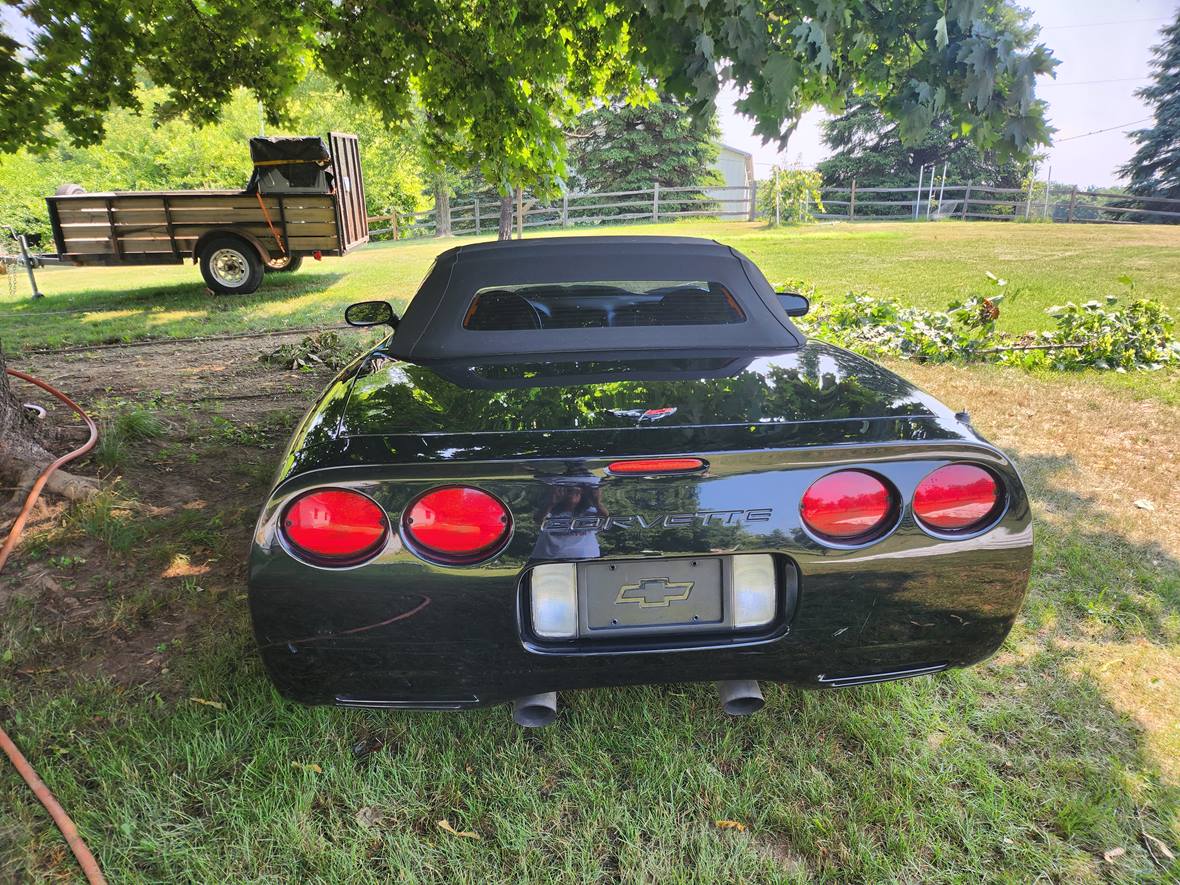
(1154, 170)
(868, 148)
(499, 82)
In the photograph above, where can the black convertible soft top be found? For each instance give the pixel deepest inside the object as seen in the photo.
(433, 326)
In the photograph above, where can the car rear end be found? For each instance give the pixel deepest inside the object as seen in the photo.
(455, 570)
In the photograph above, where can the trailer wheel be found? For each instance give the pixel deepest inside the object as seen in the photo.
(69, 190)
(285, 264)
(231, 265)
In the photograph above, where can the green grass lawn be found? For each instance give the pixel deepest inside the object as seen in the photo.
(1060, 752)
(923, 264)
(927, 265)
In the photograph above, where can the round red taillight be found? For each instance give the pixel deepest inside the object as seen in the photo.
(956, 498)
(458, 524)
(849, 505)
(335, 526)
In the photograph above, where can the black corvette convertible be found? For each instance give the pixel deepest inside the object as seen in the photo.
(601, 461)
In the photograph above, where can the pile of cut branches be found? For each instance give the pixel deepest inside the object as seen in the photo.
(1096, 335)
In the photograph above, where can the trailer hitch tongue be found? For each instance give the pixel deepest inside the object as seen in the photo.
(740, 697)
(535, 710)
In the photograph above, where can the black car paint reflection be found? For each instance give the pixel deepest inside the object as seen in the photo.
(384, 633)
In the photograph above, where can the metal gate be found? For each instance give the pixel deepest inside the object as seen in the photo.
(351, 216)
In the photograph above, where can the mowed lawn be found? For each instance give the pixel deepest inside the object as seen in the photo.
(927, 265)
(922, 264)
(1057, 760)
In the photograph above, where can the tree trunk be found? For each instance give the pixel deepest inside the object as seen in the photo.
(21, 440)
(23, 455)
(442, 206)
(506, 216)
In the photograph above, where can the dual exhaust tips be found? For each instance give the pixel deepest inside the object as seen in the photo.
(739, 697)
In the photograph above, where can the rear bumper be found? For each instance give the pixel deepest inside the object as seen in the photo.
(434, 643)
(401, 632)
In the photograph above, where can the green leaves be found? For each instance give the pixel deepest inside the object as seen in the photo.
(498, 82)
(1098, 335)
(790, 196)
(866, 147)
(622, 148)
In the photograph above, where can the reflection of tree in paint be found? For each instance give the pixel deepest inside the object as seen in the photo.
(818, 382)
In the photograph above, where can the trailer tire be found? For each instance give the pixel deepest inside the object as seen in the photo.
(284, 264)
(69, 190)
(231, 265)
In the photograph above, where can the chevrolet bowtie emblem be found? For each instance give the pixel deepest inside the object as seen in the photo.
(654, 592)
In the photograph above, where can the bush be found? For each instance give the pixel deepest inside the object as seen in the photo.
(798, 193)
(1095, 335)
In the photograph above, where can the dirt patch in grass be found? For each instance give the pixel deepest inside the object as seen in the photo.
(1142, 681)
(1101, 470)
(223, 371)
(1118, 455)
(117, 586)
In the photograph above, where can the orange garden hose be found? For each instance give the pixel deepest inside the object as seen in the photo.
(85, 859)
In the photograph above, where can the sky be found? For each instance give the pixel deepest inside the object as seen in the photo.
(1104, 48)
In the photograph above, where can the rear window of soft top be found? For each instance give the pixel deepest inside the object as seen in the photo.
(601, 305)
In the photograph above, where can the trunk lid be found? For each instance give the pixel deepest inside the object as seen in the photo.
(816, 383)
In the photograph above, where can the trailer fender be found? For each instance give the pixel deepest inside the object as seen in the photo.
(219, 231)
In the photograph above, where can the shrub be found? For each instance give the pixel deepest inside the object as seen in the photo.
(1098, 335)
(798, 193)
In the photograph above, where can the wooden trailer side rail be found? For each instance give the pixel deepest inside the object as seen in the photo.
(164, 227)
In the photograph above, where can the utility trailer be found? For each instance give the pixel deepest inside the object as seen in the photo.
(304, 198)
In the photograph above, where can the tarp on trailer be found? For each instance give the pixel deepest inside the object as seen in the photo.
(290, 164)
(289, 149)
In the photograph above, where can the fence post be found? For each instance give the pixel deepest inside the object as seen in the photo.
(24, 254)
(655, 203)
(477, 215)
(918, 198)
(966, 200)
(1073, 204)
(393, 218)
(1028, 202)
(520, 213)
(778, 199)
(1048, 188)
(565, 209)
(852, 202)
(753, 199)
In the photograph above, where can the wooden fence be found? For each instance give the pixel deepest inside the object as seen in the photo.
(481, 214)
(966, 202)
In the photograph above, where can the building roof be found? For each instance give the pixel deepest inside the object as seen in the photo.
(732, 149)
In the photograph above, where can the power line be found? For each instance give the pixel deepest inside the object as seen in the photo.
(1096, 131)
(1121, 21)
(1090, 82)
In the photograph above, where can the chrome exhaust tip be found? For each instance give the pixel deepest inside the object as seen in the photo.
(535, 710)
(740, 697)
